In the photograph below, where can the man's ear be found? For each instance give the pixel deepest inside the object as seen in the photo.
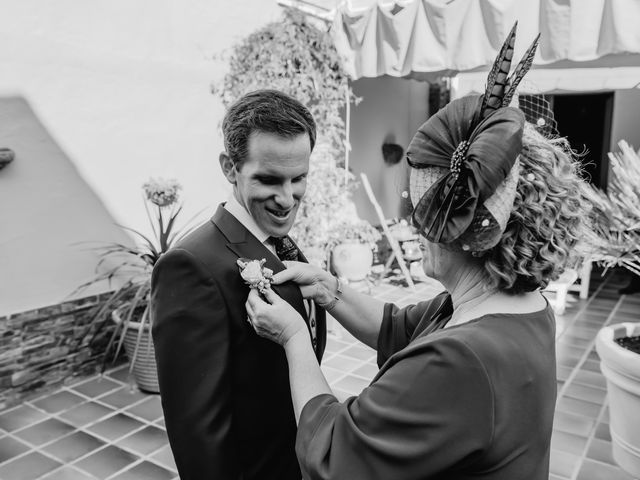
(228, 168)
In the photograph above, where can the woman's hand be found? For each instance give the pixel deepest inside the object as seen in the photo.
(314, 282)
(274, 319)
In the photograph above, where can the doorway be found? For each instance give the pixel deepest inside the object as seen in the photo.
(585, 119)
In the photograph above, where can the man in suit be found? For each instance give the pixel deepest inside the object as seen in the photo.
(225, 391)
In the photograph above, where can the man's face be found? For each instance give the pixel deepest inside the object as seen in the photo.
(272, 180)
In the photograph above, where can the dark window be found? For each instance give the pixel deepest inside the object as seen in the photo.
(586, 122)
(585, 119)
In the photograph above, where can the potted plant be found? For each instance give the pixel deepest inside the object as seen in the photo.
(619, 349)
(352, 243)
(614, 241)
(326, 203)
(127, 306)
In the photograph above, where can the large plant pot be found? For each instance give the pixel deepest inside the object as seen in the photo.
(143, 366)
(621, 368)
(352, 261)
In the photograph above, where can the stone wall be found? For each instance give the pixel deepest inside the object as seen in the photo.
(44, 348)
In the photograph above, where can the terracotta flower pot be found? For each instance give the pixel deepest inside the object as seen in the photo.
(352, 261)
(621, 368)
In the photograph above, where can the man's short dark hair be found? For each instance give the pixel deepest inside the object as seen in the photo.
(268, 111)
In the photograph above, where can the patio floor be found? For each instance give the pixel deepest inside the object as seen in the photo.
(99, 428)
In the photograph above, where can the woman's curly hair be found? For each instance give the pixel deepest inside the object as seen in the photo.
(548, 217)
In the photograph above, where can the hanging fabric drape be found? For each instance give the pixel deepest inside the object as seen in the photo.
(430, 38)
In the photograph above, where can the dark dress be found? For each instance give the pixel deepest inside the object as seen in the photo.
(473, 401)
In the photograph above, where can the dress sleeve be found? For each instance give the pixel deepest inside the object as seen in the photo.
(191, 339)
(399, 325)
(431, 412)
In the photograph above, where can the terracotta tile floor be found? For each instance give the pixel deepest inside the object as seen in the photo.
(99, 428)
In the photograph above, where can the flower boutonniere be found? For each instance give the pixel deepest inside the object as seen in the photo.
(255, 274)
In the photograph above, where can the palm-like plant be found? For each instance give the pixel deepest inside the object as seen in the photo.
(133, 266)
(615, 237)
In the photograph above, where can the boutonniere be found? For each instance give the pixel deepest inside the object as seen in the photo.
(255, 274)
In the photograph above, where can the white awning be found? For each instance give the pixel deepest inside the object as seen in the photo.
(430, 38)
(556, 80)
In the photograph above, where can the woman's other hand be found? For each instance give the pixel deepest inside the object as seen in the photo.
(314, 282)
(273, 318)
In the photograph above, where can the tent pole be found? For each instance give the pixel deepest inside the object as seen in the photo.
(347, 142)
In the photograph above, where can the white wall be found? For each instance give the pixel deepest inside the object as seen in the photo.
(100, 95)
(390, 108)
(625, 124)
(49, 217)
(124, 87)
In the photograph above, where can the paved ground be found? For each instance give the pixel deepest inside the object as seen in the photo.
(99, 428)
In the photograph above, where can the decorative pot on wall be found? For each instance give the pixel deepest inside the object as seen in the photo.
(352, 260)
(6, 157)
(621, 368)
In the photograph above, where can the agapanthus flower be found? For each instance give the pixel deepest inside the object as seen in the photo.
(161, 192)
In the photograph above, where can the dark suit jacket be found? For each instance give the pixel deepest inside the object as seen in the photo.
(225, 391)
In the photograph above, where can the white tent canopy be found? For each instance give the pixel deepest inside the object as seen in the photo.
(431, 38)
(562, 77)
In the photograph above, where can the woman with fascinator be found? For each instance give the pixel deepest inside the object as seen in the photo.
(467, 380)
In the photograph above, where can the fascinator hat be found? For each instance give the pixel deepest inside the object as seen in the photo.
(464, 161)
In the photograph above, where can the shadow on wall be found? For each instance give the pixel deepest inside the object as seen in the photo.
(47, 211)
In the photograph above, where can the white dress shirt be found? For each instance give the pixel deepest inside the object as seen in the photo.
(244, 217)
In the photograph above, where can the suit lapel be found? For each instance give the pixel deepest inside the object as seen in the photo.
(244, 245)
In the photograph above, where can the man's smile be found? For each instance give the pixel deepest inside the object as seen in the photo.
(280, 214)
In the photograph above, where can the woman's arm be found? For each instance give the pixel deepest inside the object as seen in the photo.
(360, 314)
(305, 377)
